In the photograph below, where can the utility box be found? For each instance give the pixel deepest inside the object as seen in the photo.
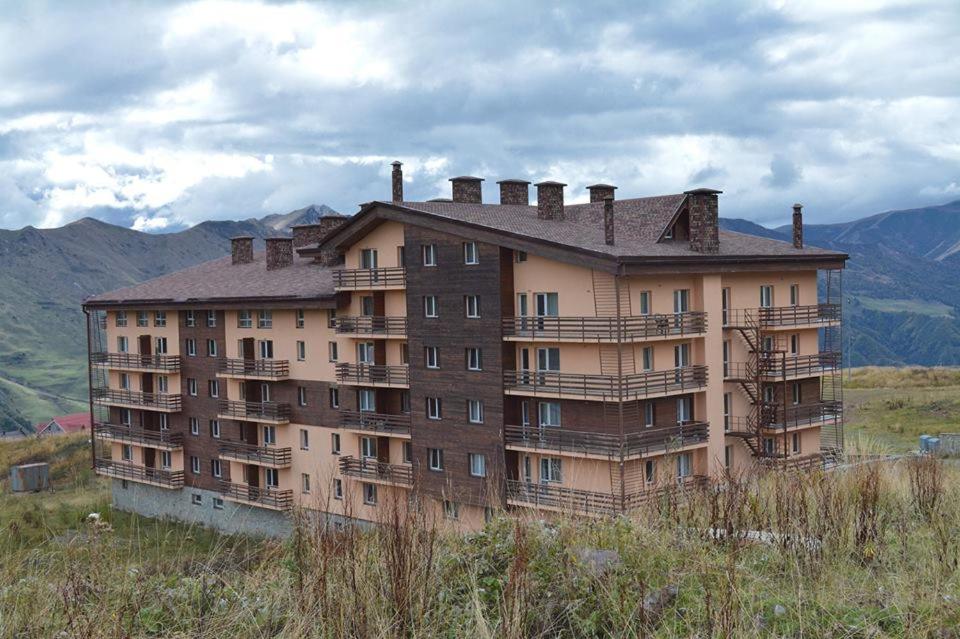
(30, 478)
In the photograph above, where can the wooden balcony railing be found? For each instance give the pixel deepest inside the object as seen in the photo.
(372, 469)
(589, 502)
(254, 411)
(133, 472)
(373, 374)
(375, 422)
(372, 325)
(166, 363)
(798, 365)
(267, 497)
(139, 436)
(156, 401)
(364, 278)
(268, 368)
(250, 454)
(603, 329)
(609, 387)
(647, 441)
(803, 415)
(777, 316)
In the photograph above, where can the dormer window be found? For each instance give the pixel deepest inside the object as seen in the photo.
(669, 234)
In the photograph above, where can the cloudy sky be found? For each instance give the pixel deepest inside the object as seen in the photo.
(160, 115)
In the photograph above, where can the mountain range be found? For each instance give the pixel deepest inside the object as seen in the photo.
(901, 290)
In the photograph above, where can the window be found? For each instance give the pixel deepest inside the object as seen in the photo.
(338, 489)
(548, 359)
(404, 353)
(332, 351)
(470, 254)
(407, 452)
(211, 319)
(301, 395)
(216, 468)
(795, 443)
(213, 386)
(367, 306)
(368, 447)
(649, 414)
(727, 457)
(163, 384)
(727, 408)
(401, 255)
(126, 416)
(304, 439)
(125, 381)
(269, 435)
(429, 252)
(684, 465)
(143, 320)
(191, 347)
(474, 359)
(211, 348)
(646, 356)
(684, 410)
(271, 477)
(549, 413)
(475, 411)
(769, 446)
(334, 398)
(335, 443)
(164, 421)
(550, 469)
(435, 458)
(218, 503)
(301, 350)
(189, 319)
(301, 320)
(305, 483)
(266, 348)
(726, 358)
(265, 319)
(796, 392)
(244, 319)
(405, 402)
(725, 306)
(668, 234)
(478, 464)
(645, 302)
(166, 459)
(520, 256)
(681, 355)
(215, 428)
(430, 306)
(434, 409)
(121, 319)
(794, 295)
(472, 306)
(123, 344)
(650, 471)
(194, 426)
(547, 304)
(196, 499)
(370, 494)
(126, 452)
(766, 296)
(365, 353)
(264, 392)
(431, 356)
(331, 318)
(368, 258)
(191, 387)
(768, 394)
(681, 300)
(795, 344)
(451, 509)
(367, 399)
(160, 318)
(160, 345)
(195, 464)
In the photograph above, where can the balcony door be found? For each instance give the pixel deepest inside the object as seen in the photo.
(248, 349)
(681, 359)
(684, 410)
(548, 361)
(681, 305)
(365, 353)
(546, 305)
(368, 258)
(766, 296)
(524, 365)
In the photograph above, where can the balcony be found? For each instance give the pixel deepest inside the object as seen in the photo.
(773, 367)
(363, 279)
(259, 455)
(134, 362)
(373, 375)
(270, 369)
(653, 441)
(588, 502)
(161, 439)
(268, 412)
(805, 415)
(372, 326)
(271, 498)
(686, 379)
(375, 422)
(162, 402)
(604, 329)
(142, 474)
(783, 316)
(377, 471)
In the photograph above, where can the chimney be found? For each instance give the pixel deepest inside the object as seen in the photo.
(306, 234)
(703, 214)
(550, 200)
(600, 192)
(514, 192)
(797, 226)
(466, 188)
(608, 219)
(397, 181)
(279, 252)
(241, 249)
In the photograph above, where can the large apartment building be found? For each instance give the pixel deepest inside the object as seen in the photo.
(544, 358)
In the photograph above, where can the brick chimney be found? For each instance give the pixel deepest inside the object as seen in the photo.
(466, 188)
(550, 200)
(608, 219)
(600, 192)
(514, 192)
(798, 226)
(279, 252)
(704, 223)
(241, 249)
(397, 182)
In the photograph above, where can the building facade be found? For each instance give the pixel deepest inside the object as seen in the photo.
(556, 357)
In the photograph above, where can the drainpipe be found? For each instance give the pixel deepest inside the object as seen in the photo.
(93, 439)
(623, 485)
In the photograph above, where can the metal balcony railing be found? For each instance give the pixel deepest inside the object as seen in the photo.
(270, 368)
(254, 411)
(609, 387)
(589, 502)
(165, 363)
(375, 422)
(133, 472)
(364, 468)
(803, 415)
(156, 401)
(604, 329)
(139, 436)
(250, 454)
(782, 316)
(798, 365)
(364, 278)
(371, 325)
(268, 497)
(396, 375)
(648, 441)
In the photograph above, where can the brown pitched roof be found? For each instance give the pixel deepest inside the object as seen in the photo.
(220, 280)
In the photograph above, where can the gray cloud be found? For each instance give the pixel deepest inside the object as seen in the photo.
(212, 110)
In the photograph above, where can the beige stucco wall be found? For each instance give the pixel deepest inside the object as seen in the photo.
(316, 335)
(385, 239)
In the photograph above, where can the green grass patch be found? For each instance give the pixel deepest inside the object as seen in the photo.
(918, 306)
